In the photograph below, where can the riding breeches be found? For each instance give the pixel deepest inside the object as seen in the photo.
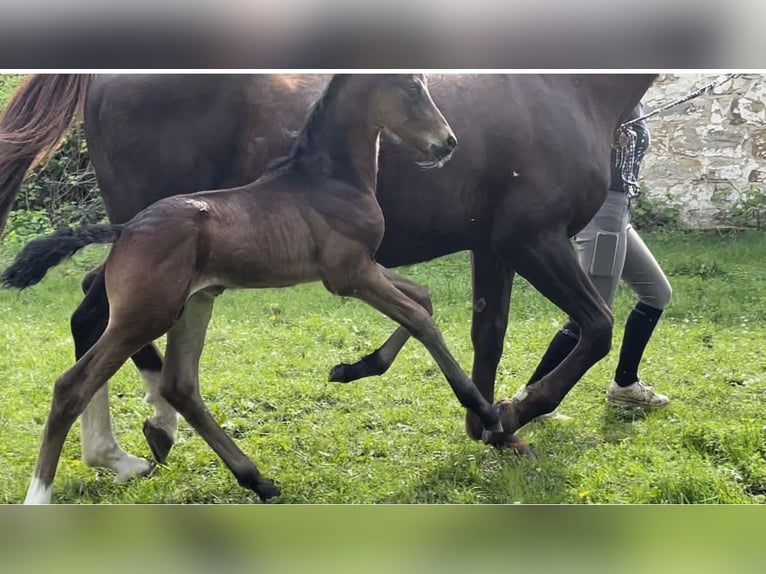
(609, 249)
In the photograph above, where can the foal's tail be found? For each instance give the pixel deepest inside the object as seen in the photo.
(32, 125)
(39, 255)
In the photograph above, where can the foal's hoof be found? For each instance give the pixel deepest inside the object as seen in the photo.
(263, 487)
(159, 441)
(342, 373)
(368, 366)
(267, 489)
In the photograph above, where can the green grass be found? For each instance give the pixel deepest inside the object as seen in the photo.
(399, 438)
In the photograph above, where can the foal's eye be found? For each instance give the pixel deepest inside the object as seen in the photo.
(414, 90)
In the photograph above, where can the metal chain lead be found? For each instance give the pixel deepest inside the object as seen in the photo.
(703, 90)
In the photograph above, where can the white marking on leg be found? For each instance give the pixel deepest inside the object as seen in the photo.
(100, 448)
(38, 493)
(165, 416)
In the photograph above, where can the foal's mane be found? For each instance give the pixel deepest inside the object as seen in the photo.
(307, 135)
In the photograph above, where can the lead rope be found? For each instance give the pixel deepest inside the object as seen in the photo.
(625, 137)
(704, 90)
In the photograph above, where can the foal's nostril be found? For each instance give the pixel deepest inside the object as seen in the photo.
(451, 142)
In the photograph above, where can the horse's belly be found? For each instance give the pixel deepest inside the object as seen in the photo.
(247, 272)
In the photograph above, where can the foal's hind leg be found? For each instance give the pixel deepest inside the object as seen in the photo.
(71, 393)
(180, 386)
(99, 446)
(371, 286)
(160, 429)
(550, 265)
(379, 361)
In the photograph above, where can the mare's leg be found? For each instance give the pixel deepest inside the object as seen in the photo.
(492, 284)
(379, 361)
(179, 385)
(99, 446)
(71, 394)
(549, 263)
(371, 286)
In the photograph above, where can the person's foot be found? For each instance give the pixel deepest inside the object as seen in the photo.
(638, 394)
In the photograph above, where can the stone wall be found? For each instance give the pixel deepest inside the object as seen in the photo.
(707, 152)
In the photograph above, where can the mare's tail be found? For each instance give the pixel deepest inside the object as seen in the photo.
(32, 125)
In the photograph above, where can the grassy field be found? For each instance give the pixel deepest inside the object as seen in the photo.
(399, 438)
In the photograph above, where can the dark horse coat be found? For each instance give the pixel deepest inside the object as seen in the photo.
(532, 169)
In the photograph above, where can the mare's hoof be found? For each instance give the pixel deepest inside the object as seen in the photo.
(520, 447)
(341, 374)
(507, 439)
(159, 441)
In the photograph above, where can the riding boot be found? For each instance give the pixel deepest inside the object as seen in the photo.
(638, 330)
(558, 350)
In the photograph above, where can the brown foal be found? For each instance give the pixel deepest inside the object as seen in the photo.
(314, 216)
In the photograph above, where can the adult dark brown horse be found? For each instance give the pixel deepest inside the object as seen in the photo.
(532, 170)
(313, 217)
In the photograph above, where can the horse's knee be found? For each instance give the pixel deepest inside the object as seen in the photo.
(488, 338)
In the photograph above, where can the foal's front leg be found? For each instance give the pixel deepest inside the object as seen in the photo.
(374, 288)
(380, 360)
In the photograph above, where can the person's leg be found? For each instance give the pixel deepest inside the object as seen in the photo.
(646, 278)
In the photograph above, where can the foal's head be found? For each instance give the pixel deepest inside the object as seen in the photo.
(403, 107)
